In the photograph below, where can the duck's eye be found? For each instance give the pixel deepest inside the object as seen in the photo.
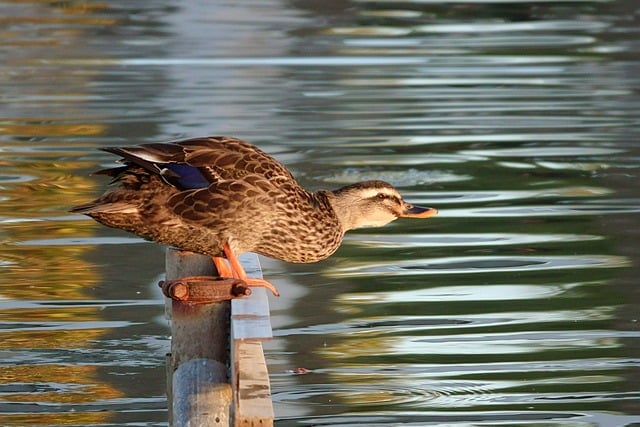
(381, 196)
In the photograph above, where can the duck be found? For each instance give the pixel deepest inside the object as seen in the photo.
(221, 196)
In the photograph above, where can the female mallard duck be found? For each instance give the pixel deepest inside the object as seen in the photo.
(221, 196)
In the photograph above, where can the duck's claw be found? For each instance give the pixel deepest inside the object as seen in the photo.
(263, 284)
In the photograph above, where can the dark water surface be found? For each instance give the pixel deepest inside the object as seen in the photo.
(518, 305)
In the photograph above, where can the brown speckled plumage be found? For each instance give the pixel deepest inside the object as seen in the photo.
(201, 193)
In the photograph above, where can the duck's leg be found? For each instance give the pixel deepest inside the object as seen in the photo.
(238, 271)
(222, 267)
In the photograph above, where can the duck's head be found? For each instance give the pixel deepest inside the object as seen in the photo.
(373, 204)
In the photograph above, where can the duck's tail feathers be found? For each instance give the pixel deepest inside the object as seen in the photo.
(149, 156)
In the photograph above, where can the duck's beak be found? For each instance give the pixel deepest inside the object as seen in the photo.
(411, 211)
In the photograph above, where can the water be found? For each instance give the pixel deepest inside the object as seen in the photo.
(517, 305)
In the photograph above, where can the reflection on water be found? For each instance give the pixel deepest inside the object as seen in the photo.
(518, 304)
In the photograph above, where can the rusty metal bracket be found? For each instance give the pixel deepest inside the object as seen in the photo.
(204, 289)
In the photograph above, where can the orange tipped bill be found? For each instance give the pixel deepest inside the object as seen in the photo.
(411, 211)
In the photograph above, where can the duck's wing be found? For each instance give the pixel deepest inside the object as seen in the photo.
(247, 200)
(200, 162)
(231, 158)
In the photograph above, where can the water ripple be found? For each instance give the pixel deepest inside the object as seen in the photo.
(475, 264)
(495, 137)
(468, 417)
(363, 394)
(426, 370)
(578, 151)
(460, 239)
(370, 327)
(507, 292)
(451, 197)
(539, 210)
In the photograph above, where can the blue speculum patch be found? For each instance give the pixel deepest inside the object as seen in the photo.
(187, 177)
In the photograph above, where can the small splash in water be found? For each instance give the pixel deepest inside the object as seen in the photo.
(404, 178)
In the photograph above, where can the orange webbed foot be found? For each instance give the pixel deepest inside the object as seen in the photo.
(235, 270)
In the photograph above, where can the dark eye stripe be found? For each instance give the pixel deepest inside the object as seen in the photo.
(383, 196)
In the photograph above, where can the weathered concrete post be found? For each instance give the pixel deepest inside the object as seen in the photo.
(216, 371)
(199, 386)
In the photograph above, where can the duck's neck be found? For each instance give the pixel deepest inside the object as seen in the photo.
(346, 216)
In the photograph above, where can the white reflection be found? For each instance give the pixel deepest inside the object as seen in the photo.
(463, 293)
(497, 343)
